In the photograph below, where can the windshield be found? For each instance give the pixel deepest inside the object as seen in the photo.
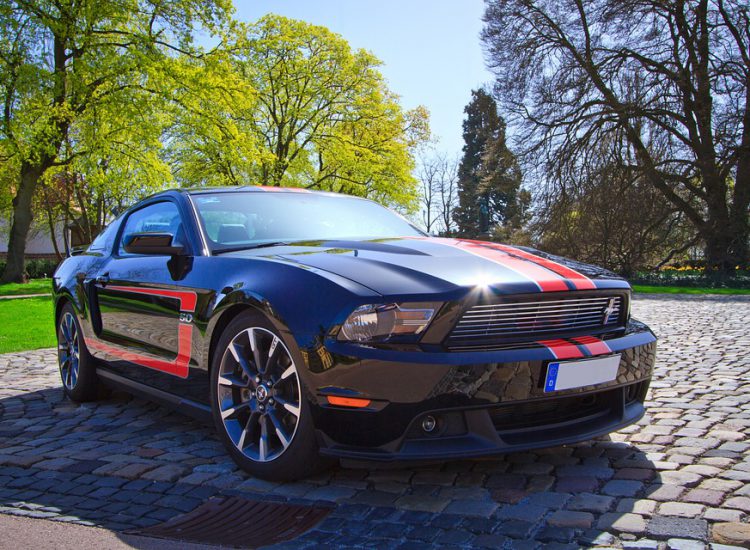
(237, 220)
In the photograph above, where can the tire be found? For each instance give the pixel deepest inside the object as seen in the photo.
(261, 414)
(77, 366)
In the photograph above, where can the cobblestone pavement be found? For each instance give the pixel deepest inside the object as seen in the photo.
(664, 483)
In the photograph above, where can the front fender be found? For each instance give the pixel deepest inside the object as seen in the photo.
(68, 286)
(300, 302)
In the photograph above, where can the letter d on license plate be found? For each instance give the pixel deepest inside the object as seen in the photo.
(564, 375)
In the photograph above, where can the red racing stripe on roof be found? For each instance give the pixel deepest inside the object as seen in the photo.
(273, 188)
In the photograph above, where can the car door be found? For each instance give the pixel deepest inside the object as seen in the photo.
(146, 304)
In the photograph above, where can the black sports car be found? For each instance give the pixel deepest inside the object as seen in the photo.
(314, 324)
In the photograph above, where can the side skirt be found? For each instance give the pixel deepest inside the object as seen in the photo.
(192, 408)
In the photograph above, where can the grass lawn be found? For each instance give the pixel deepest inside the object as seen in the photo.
(646, 289)
(34, 286)
(26, 323)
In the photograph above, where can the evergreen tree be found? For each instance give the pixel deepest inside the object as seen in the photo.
(488, 176)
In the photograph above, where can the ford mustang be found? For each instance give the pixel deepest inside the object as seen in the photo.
(309, 325)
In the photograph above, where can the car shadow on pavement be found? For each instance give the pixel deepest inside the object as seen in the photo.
(126, 463)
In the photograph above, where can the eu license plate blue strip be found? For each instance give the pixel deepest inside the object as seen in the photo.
(552, 370)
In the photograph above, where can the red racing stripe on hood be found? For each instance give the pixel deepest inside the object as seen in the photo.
(545, 279)
(579, 281)
(273, 188)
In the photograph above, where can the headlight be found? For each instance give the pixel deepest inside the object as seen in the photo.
(378, 322)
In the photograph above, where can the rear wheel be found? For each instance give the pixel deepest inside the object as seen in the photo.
(258, 402)
(77, 366)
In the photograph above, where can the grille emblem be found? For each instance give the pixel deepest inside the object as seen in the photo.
(608, 311)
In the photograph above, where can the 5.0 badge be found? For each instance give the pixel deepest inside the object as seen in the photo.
(186, 317)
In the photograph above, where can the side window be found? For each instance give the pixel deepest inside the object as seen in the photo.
(161, 217)
(104, 241)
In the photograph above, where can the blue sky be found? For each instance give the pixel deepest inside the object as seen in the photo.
(430, 48)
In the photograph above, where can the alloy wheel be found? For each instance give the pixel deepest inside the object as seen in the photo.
(68, 351)
(259, 394)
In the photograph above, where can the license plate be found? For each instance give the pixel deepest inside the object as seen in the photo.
(564, 375)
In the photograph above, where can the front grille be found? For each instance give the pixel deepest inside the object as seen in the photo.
(537, 318)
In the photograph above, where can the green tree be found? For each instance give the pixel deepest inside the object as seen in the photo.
(671, 78)
(76, 77)
(320, 116)
(489, 177)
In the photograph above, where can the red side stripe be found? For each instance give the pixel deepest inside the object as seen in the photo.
(180, 366)
(594, 345)
(580, 281)
(546, 280)
(187, 298)
(562, 349)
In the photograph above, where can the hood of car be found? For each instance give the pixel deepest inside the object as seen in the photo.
(428, 265)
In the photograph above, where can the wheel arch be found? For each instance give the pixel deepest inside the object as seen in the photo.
(237, 305)
(62, 299)
(225, 317)
(59, 305)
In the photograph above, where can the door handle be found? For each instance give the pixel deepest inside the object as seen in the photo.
(103, 279)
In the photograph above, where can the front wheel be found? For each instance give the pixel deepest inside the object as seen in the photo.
(258, 403)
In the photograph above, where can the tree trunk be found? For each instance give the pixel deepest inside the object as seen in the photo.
(726, 233)
(741, 194)
(52, 235)
(719, 257)
(739, 230)
(22, 218)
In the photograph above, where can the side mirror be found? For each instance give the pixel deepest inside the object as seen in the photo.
(152, 243)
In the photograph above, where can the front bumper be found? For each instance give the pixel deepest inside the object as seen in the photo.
(485, 403)
(463, 433)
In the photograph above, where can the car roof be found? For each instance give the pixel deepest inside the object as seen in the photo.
(192, 191)
(258, 189)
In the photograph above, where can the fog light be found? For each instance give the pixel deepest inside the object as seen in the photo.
(429, 423)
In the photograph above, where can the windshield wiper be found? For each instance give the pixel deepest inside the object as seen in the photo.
(250, 247)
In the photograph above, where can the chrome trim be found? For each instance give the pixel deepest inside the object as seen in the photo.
(477, 318)
(546, 302)
(206, 251)
(527, 319)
